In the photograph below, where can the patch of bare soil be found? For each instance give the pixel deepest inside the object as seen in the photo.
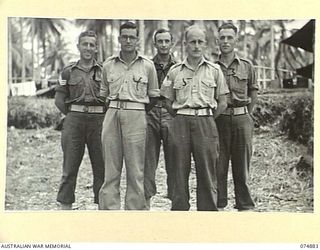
(34, 167)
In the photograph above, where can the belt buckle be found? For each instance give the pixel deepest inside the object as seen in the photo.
(85, 109)
(231, 111)
(122, 105)
(196, 112)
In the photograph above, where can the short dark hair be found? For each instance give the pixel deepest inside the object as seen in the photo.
(129, 25)
(89, 33)
(228, 26)
(160, 31)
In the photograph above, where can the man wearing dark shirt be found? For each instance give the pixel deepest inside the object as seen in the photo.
(77, 97)
(235, 124)
(159, 120)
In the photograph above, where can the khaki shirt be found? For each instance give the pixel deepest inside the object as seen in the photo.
(240, 78)
(135, 82)
(199, 88)
(80, 85)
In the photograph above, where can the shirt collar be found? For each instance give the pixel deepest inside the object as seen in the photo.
(236, 58)
(186, 64)
(138, 56)
(156, 60)
(76, 65)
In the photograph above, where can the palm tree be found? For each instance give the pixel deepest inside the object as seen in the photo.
(46, 31)
(58, 57)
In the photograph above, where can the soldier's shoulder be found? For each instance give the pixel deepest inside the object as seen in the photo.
(100, 64)
(67, 70)
(213, 65)
(148, 60)
(245, 61)
(110, 58)
(176, 66)
(69, 66)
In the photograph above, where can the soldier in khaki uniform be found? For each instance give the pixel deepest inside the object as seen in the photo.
(197, 90)
(235, 124)
(77, 97)
(129, 81)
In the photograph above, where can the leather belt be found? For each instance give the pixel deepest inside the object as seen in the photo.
(87, 109)
(236, 111)
(195, 112)
(126, 105)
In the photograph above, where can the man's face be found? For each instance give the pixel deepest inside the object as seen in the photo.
(227, 40)
(195, 43)
(128, 40)
(163, 43)
(87, 47)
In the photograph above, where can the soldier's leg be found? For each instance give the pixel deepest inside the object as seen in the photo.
(182, 163)
(205, 147)
(134, 132)
(94, 129)
(111, 138)
(241, 155)
(166, 134)
(224, 124)
(153, 144)
(73, 145)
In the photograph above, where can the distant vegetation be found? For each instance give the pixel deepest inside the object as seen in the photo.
(290, 112)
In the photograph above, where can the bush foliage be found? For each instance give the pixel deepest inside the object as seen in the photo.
(291, 112)
(32, 112)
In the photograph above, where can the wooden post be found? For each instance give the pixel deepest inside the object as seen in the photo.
(264, 83)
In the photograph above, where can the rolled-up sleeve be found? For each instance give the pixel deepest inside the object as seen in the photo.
(167, 90)
(252, 84)
(63, 80)
(153, 86)
(104, 88)
(222, 87)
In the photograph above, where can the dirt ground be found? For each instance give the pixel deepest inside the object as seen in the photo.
(34, 166)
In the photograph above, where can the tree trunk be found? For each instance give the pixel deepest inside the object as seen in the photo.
(44, 54)
(23, 60)
(141, 36)
(9, 57)
(164, 24)
(245, 54)
(272, 50)
(32, 48)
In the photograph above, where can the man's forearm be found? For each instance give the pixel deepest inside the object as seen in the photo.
(60, 103)
(254, 97)
(222, 105)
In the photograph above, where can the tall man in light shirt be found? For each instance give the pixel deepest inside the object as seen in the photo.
(129, 80)
(197, 90)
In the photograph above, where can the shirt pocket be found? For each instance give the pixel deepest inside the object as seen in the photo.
(208, 86)
(241, 84)
(76, 86)
(114, 82)
(180, 87)
(140, 83)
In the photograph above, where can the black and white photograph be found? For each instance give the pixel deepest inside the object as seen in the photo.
(160, 115)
